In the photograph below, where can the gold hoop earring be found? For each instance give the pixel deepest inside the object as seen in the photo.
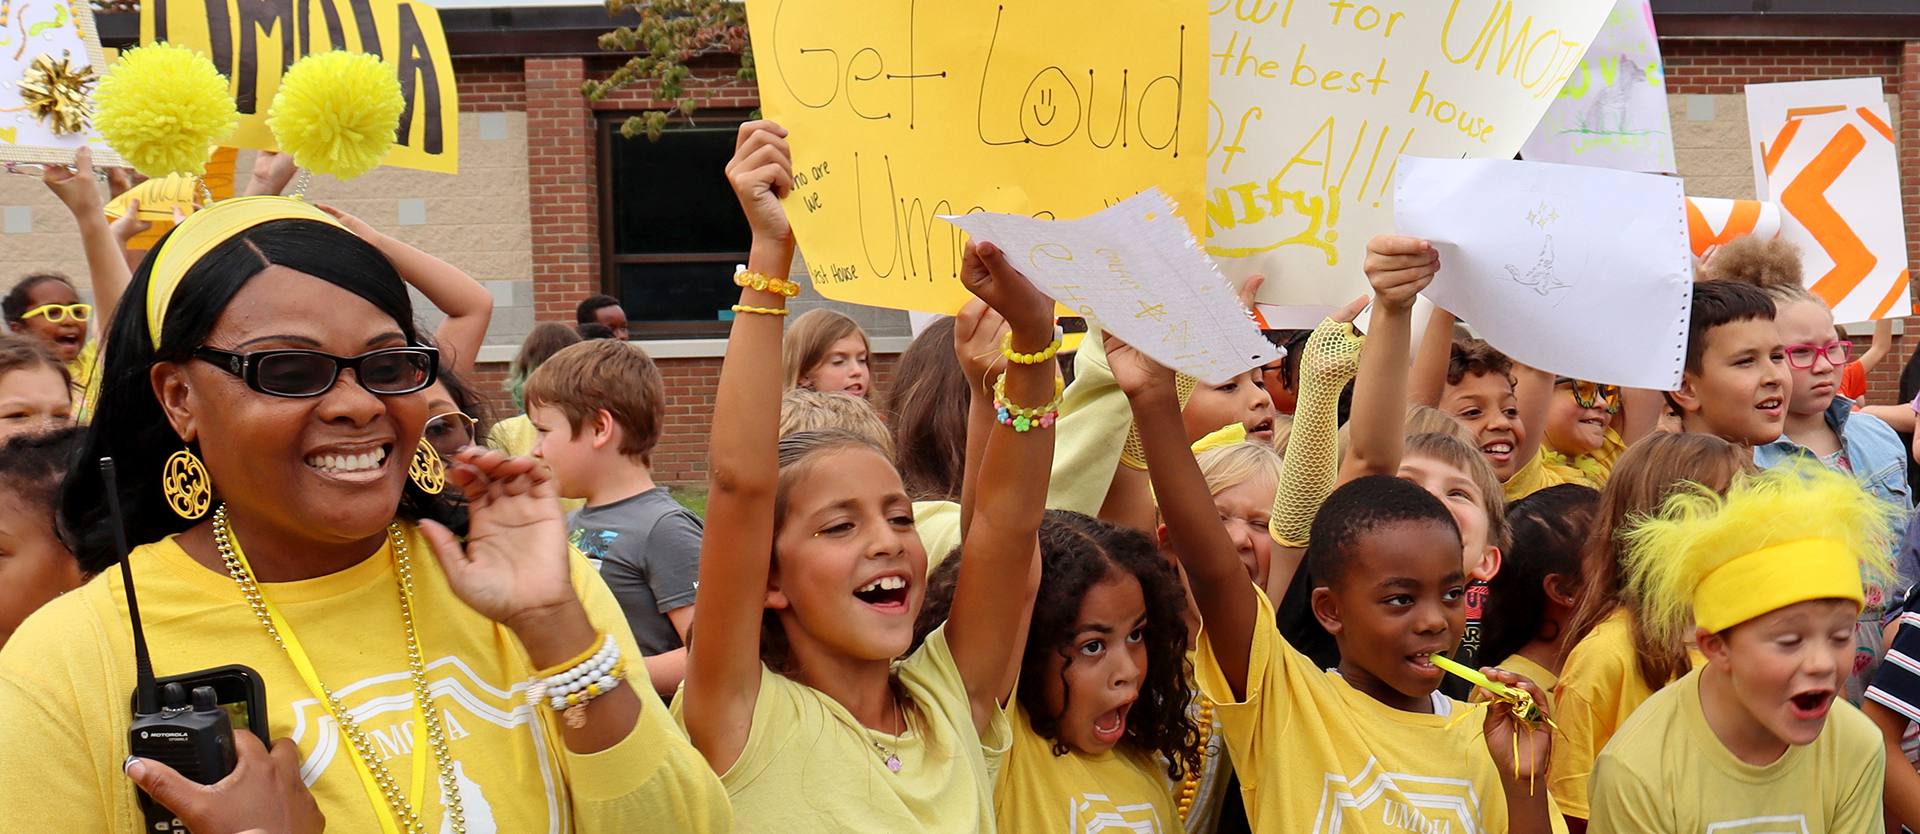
(187, 486)
(427, 470)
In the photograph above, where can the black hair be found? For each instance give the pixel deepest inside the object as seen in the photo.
(129, 424)
(1722, 302)
(1296, 347)
(14, 305)
(1360, 507)
(592, 331)
(1078, 552)
(33, 465)
(1550, 530)
(589, 309)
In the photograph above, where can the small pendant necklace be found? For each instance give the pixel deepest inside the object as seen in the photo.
(892, 760)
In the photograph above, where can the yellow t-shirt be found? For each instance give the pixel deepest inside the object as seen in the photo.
(83, 378)
(1599, 687)
(1526, 668)
(1532, 477)
(1315, 754)
(67, 674)
(809, 765)
(1590, 469)
(1040, 793)
(1666, 771)
(938, 523)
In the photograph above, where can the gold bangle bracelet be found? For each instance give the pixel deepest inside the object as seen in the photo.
(765, 311)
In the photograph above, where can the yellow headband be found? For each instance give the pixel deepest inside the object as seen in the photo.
(206, 229)
(1773, 578)
(1233, 433)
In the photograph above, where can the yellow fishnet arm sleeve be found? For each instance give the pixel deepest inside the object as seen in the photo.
(1307, 475)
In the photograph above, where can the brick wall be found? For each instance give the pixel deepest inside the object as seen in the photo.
(681, 456)
(1723, 67)
(491, 84)
(563, 207)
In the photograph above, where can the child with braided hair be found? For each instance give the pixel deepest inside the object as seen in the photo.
(1767, 580)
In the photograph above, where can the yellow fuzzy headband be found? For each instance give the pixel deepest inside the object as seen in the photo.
(206, 229)
(1788, 535)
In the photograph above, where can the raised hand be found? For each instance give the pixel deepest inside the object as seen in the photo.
(1399, 268)
(128, 226)
(977, 332)
(1520, 752)
(1137, 374)
(986, 273)
(263, 793)
(761, 172)
(514, 562)
(272, 170)
(1250, 288)
(76, 186)
(358, 227)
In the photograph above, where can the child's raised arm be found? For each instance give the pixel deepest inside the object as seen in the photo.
(76, 187)
(977, 331)
(1430, 362)
(1312, 463)
(723, 665)
(467, 305)
(1398, 268)
(993, 601)
(1215, 576)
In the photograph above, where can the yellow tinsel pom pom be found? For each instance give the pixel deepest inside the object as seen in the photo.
(163, 108)
(336, 112)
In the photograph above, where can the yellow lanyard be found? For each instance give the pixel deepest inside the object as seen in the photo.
(389, 824)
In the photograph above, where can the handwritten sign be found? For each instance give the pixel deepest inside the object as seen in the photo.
(1770, 106)
(1313, 102)
(1837, 177)
(1136, 269)
(901, 111)
(1572, 269)
(57, 30)
(253, 42)
(1613, 110)
(1712, 221)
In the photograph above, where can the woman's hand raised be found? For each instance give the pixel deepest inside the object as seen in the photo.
(514, 563)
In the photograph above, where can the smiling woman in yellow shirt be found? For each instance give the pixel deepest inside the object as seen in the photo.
(264, 405)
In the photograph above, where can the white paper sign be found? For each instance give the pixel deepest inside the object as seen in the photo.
(1613, 111)
(1136, 269)
(1312, 102)
(1837, 178)
(1572, 269)
(1769, 106)
(1712, 221)
(58, 30)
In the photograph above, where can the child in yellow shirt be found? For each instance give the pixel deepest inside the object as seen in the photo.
(1369, 747)
(1761, 738)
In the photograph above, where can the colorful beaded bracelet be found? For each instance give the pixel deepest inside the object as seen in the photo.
(765, 311)
(1006, 349)
(1025, 419)
(766, 283)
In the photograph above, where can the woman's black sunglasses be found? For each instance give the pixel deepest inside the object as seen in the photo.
(295, 373)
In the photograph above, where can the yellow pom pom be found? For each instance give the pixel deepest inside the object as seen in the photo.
(336, 112)
(163, 108)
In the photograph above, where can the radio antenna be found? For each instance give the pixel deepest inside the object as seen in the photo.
(146, 694)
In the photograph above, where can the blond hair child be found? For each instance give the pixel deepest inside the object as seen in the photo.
(827, 351)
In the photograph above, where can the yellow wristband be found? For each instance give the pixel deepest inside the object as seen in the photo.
(599, 642)
(766, 283)
(1006, 349)
(765, 311)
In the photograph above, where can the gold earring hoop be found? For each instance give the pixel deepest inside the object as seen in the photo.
(427, 470)
(187, 486)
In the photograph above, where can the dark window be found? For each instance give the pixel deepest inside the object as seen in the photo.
(671, 230)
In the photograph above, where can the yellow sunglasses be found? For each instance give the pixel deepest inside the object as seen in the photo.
(58, 313)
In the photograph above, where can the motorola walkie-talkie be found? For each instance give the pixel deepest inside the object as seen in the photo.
(185, 724)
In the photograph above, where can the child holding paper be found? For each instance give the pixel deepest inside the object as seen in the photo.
(1767, 580)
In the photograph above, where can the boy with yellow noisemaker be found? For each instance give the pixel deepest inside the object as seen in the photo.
(1769, 580)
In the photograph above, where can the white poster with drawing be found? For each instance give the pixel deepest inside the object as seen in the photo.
(1136, 269)
(49, 65)
(1313, 102)
(1613, 111)
(1581, 271)
(1837, 178)
(1769, 106)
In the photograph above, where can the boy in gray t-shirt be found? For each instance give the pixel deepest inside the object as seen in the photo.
(597, 407)
(648, 550)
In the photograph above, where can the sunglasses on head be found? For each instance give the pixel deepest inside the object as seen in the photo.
(296, 373)
(1592, 394)
(58, 313)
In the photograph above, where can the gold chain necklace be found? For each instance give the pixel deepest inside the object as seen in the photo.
(1190, 785)
(363, 748)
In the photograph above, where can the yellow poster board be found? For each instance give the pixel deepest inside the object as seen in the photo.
(253, 42)
(158, 198)
(1312, 103)
(900, 111)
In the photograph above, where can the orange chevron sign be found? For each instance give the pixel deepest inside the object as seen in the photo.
(1834, 171)
(1712, 221)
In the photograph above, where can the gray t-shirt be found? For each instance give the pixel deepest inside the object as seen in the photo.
(648, 550)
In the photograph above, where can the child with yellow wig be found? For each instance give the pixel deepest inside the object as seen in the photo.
(1768, 579)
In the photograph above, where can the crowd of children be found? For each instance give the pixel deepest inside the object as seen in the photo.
(1388, 582)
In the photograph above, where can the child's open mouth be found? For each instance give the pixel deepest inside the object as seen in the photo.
(1262, 429)
(887, 593)
(1770, 406)
(1500, 450)
(1111, 724)
(1809, 706)
(1422, 664)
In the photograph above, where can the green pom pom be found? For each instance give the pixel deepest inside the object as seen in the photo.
(163, 108)
(336, 112)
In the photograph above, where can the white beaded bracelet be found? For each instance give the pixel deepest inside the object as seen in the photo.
(569, 690)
